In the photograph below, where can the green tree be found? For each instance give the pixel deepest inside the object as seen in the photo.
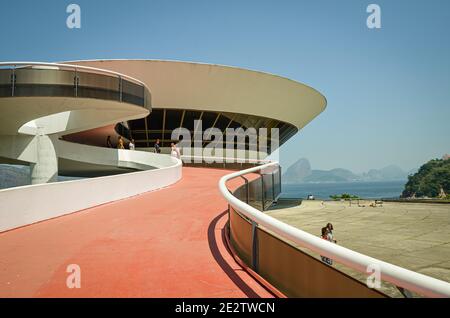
(429, 180)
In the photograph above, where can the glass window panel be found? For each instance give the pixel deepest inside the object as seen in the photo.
(155, 119)
(173, 119)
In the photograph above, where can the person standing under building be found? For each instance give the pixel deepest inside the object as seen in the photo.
(157, 148)
(120, 144)
(174, 151)
(178, 152)
(131, 145)
(108, 142)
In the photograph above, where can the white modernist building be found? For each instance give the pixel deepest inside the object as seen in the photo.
(64, 106)
(57, 118)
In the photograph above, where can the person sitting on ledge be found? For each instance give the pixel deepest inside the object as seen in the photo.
(330, 233)
(325, 259)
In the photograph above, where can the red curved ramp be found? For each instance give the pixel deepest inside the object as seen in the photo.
(167, 243)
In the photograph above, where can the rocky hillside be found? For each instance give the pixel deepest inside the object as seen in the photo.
(432, 180)
(297, 172)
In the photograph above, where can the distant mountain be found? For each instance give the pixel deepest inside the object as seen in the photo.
(14, 176)
(297, 172)
(301, 172)
(334, 175)
(344, 173)
(391, 172)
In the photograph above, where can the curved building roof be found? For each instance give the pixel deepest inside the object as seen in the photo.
(208, 87)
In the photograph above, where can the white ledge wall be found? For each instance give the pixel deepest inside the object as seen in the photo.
(30, 204)
(111, 156)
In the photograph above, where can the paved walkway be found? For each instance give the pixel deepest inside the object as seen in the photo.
(166, 243)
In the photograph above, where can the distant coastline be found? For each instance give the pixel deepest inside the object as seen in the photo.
(362, 189)
(301, 172)
(344, 182)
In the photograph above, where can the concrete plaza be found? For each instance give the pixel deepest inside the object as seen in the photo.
(415, 236)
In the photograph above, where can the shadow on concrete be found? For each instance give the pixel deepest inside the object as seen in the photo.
(285, 204)
(248, 291)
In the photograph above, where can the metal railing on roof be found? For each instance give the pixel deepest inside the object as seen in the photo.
(24, 79)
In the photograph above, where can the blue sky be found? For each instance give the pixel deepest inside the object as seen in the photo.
(388, 90)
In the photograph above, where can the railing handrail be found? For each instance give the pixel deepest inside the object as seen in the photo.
(77, 67)
(399, 276)
(245, 160)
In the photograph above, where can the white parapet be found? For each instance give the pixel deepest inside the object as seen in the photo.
(30, 204)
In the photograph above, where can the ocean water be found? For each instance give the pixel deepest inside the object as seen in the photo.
(367, 190)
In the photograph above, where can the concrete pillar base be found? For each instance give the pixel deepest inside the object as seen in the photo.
(46, 167)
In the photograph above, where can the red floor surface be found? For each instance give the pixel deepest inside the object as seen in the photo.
(166, 243)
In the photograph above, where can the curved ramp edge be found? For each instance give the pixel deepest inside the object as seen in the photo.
(112, 157)
(30, 204)
(167, 243)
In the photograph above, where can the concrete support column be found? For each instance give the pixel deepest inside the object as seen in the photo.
(46, 167)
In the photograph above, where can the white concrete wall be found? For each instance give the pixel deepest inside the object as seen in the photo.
(110, 156)
(19, 147)
(24, 148)
(30, 204)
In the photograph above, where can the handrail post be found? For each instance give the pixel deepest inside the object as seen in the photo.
(406, 293)
(76, 82)
(273, 187)
(13, 80)
(229, 217)
(246, 189)
(120, 88)
(247, 192)
(255, 248)
(279, 179)
(263, 196)
(229, 221)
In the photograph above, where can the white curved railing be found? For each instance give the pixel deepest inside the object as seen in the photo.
(26, 205)
(220, 160)
(401, 277)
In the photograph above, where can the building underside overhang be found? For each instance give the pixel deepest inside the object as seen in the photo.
(220, 96)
